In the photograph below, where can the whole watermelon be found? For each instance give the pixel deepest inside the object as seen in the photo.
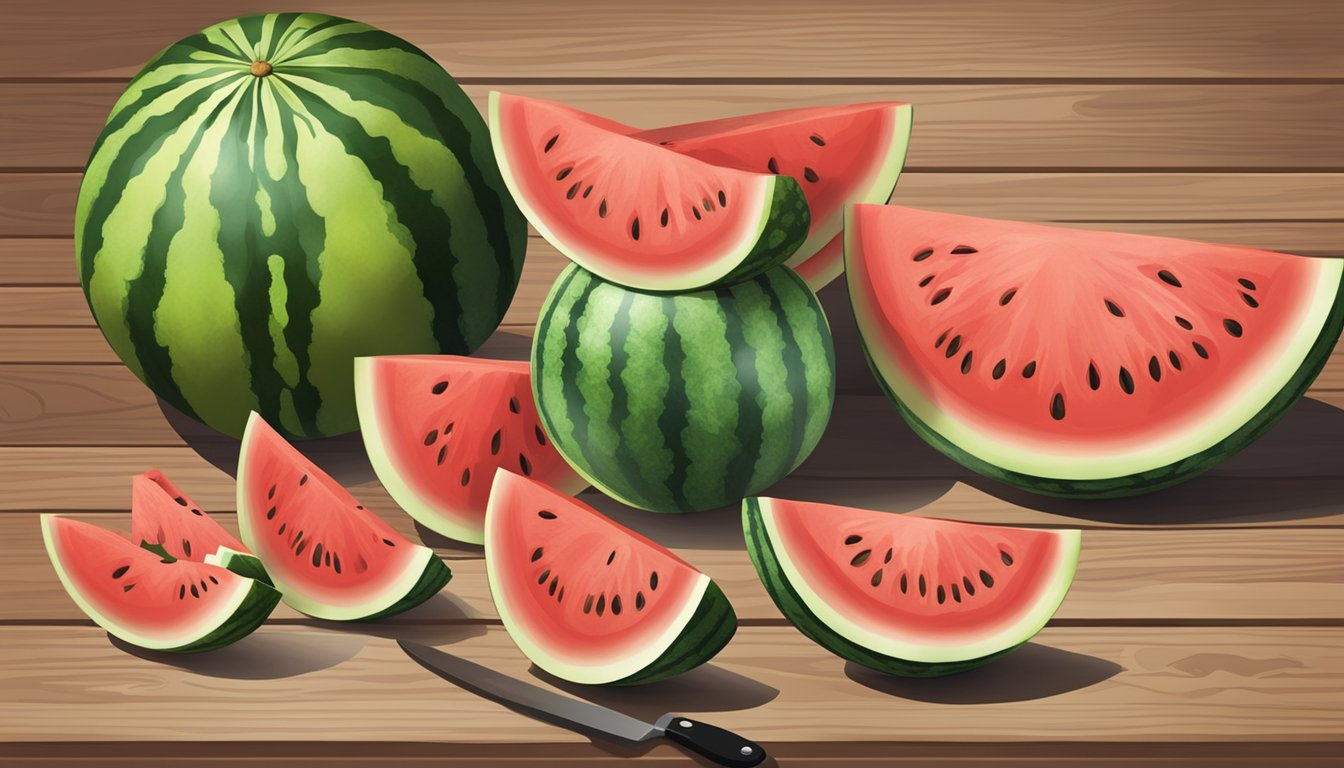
(281, 193)
(683, 402)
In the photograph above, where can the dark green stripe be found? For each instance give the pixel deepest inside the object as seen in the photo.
(675, 419)
(127, 113)
(568, 373)
(749, 410)
(250, 26)
(796, 366)
(627, 464)
(544, 325)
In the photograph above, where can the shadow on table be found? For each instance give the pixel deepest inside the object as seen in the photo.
(1031, 672)
(264, 655)
(441, 620)
(707, 688)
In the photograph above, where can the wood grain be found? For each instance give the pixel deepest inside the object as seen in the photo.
(983, 126)
(848, 39)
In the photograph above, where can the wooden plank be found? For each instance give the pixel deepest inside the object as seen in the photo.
(1124, 577)
(1172, 685)
(706, 39)
(1188, 126)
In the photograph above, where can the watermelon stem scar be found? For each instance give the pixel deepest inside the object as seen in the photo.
(261, 68)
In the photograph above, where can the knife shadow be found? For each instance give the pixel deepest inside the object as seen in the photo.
(707, 688)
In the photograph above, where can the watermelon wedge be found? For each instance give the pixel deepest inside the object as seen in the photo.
(148, 601)
(1084, 363)
(329, 556)
(838, 155)
(636, 213)
(907, 595)
(436, 428)
(590, 601)
(162, 514)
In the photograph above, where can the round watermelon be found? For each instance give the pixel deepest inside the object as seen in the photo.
(683, 402)
(278, 194)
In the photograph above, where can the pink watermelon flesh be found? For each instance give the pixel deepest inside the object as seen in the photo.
(330, 556)
(839, 155)
(136, 596)
(587, 599)
(635, 213)
(1060, 359)
(438, 426)
(162, 514)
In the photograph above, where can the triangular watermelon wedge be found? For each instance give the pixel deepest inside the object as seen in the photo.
(164, 515)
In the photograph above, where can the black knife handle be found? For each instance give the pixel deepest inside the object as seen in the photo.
(723, 747)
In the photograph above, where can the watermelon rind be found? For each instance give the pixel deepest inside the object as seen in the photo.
(819, 622)
(242, 563)
(246, 609)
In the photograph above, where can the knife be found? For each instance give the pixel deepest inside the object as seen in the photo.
(723, 747)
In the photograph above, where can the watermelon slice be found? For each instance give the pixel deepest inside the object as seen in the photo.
(839, 155)
(147, 600)
(636, 213)
(436, 428)
(1084, 363)
(907, 595)
(590, 601)
(162, 514)
(329, 556)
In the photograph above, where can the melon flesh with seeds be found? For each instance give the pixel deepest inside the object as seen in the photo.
(163, 515)
(436, 428)
(1084, 363)
(150, 601)
(907, 595)
(329, 556)
(636, 213)
(590, 601)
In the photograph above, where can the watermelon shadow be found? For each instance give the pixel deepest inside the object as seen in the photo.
(707, 688)
(1033, 671)
(440, 620)
(262, 655)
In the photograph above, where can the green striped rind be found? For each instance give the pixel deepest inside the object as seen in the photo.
(256, 608)
(1162, 477)
(677, 403)
(241, 239)
(244, 564)
(785, 230)
(766, 560)
(432, 579)
(708, 631)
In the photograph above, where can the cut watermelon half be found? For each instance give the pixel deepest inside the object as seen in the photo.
(590, 601)
(147, 601)
(838, 155)
(1084, 363)
(907, 595)
(436, 428)
(329, 556)
(636, 213)
(162, 514)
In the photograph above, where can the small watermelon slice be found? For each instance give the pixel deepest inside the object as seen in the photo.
(329, 556)
(590, 601)
(838, 155)
(147, 600)
(636, 213)
(162, 514)
(436, 427)
(1084, 363)
(907, 595)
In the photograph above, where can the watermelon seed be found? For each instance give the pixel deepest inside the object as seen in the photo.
(186, 547)
(574, 190)
(271, 493)
(1169, 278)
(297, 536)
(662, 220)
(820, 142)
(1186, 324)
(634, 228)
(723, 199)
(923, 587)
(1126, 381)
(941, 339)
(616, 605)
(431, 436)
(999, 369)
(281, 532)
(546, 514)
(181, 501)
(956, 593)
(182, 592)
(439, 388)
(117, 574)
(940, 296)
(443, 454)
(1154, 368)
(327, 560)
(1007, 297)
(602, 209)
(1232, 327)
(942, 595)
(811, 175)
(887, 557)
(1250, 300)
(550, 590)
(195, 592)
(904, 584)
(1029, 370)
(563, 173)
(128, 587)
(601, 603)
(213, 580)
(1093, 378)
(924, 254)
(197, 512)
(541, 436)
(1057, 407)
(1199, 350)
(317, 555)
(270, 513)
(299, 549)
(704, 201)
(772, 166)
(466, 476)
(639, 601)
(336, 562)
(588, 604)
(494, 443)
(970, 588)
(986, 579)
(560, 597)
(860, 558)
(852, 539)
(927, 279)
(550, 143)
(1175, 359)
(953, 346)
(1114, 308)
(611, 557)
(546, 574)
(303, 480)
(653, 580)
(1247, 284)
(1005, 557)
(587, 191)
(962, 250)
(696, 212)
(359, 506)
(204, 588)
(525, 465)
(966, 363)
(877, 577)
(536, 554)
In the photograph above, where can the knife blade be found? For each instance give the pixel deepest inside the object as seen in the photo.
(723, 747)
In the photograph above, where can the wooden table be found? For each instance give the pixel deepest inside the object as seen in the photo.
(1206, 626)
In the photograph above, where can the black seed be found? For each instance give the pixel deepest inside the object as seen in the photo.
(194, 591)
(695, 212)
(602, 208)
(270, 513)
(317, 554)
(969, 587)
(1199, 350)
(204, 587)
(550, 589)
(986, 579)
(653, 580)
(708, 206)
(443, 454)
(574, 190)
(999, 369)
(1114, 308)
(772, 166)
(811, 175)
(1154, 368)
(887, 557)
(1233, 328)
(942, 595)
(956, 593)
(612, 557)
(536, 554)
(271, 493)
(1247, 284)
(494, 442)
(336, 563)
(601, 604)
(924, 254)
(966, 363)
(186, 547)
(616, 605)
(953, 346)
(303, 480)
(1169, 278)
(1126, 381)
(634, 228)
(563, 173)
(297, 536)
(448, 430)
(560, 597)
(546, 574)
(904, 584)
(1093, 378)
(466, 476)
(328, 558)
(541, 436)
(1175, 359)
(588, 190)
(663, 219)
(820, 142)
(1029, 370)
(198, 513)
(964, 249)
(181, 591)
(877, 577)
(440, 388)
(923, 588)
(281, 532)
(1186, 324)
(1057, 407)
(588, 604)
(299, 549)
(639, 601)
(1005, 557)
(117, 574)
(941, 339)
(129, 587)
(550, 143)
(723, 199)
(525, 465)
(927, 279)
(431, 436)
(181, 501)
(940, 296)
(852, 539)
(546, 514)
(1007, 297)
(1250, 300)
(860, 558)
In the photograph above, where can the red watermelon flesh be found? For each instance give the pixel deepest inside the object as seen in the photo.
(436, 428)
(162, 514)
(839, 155)
(1073, 361)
